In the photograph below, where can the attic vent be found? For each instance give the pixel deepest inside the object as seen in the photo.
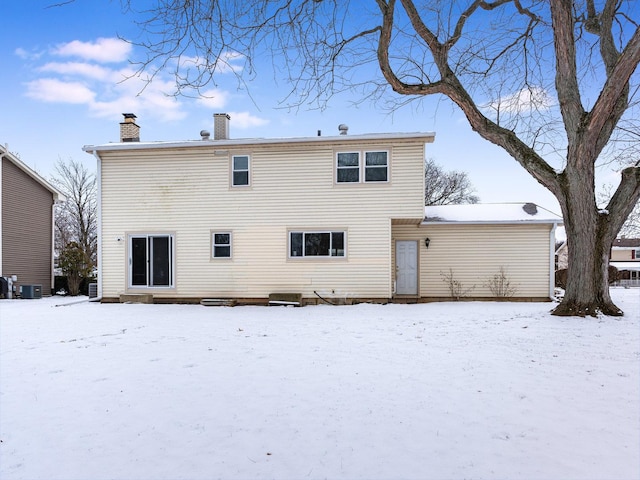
(205, 134)
(343, 129)
(530, 208)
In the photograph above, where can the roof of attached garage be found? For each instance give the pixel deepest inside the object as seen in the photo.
(489, 213)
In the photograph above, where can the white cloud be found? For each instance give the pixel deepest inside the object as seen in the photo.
(213, 98)
(25, 55)
(246, 120)
(76, 68)
(57, 91)
(526, 100)
(109, 90)
(103, 50)
(228, 62)
(134, 95)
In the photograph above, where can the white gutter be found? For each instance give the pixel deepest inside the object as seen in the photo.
(99, 224)
(428, 137)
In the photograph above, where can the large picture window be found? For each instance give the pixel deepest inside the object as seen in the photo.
(351, 169)
(151, 260)
(317, 244)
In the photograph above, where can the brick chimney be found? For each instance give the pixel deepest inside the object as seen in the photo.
(221, 126)
(129, 130)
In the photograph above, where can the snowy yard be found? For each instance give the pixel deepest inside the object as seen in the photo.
(431, 391)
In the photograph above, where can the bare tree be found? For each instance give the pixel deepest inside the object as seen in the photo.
(446, 187)
(75, 221)
(631, 228)
(552, 82)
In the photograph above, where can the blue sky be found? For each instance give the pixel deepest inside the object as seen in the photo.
(62, 87)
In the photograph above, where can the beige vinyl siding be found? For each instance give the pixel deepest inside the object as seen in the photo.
(475, 253)
(188, 192)
(26, 228)
(622, 254)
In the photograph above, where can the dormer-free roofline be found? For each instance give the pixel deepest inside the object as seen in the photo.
(427, 137)
(58, 196)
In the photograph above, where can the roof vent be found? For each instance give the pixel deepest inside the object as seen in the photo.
(530, 208)
(205, 134)
(343, 129)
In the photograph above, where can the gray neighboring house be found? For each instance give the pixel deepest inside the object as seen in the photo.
(26, 224)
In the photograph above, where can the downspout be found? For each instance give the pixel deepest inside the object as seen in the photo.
(552, 261)
(99, 225)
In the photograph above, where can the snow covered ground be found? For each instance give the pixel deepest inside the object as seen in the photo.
(431, 391)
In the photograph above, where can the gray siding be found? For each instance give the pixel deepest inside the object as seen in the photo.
(26, 228)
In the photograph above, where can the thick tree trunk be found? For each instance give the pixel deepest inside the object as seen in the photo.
(590, 237)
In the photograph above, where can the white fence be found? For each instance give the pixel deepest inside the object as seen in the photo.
(627, 283)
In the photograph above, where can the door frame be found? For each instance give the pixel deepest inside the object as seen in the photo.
(397, 267)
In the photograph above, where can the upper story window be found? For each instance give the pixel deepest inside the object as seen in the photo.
(240, 170)
(376, 167)
(221, 244)
(317, 244)
(350, 167)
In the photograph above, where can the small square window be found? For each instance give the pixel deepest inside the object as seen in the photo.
(240, 170)
(221, 247)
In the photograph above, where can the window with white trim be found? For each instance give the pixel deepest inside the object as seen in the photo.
(351, 169)
(240, 170)
(317, 244)
(151, 260)
(221, 244)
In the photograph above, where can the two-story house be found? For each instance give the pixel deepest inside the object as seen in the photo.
(625, 256)
(26, 226)
(334, 217)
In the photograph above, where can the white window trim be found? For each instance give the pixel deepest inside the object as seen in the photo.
(359, 167)
(316, 257)
(362, 166)
(213, 244)
(248, 170)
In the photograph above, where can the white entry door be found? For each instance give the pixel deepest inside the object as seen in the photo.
(406, 267)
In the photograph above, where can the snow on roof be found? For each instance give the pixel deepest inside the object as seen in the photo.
(626, 242)
(427, 137)
(489, 213)
(635, 266)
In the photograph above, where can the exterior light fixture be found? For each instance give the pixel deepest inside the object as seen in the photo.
(427, 241)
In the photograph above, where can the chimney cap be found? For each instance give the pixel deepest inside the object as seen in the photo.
(129, 118)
